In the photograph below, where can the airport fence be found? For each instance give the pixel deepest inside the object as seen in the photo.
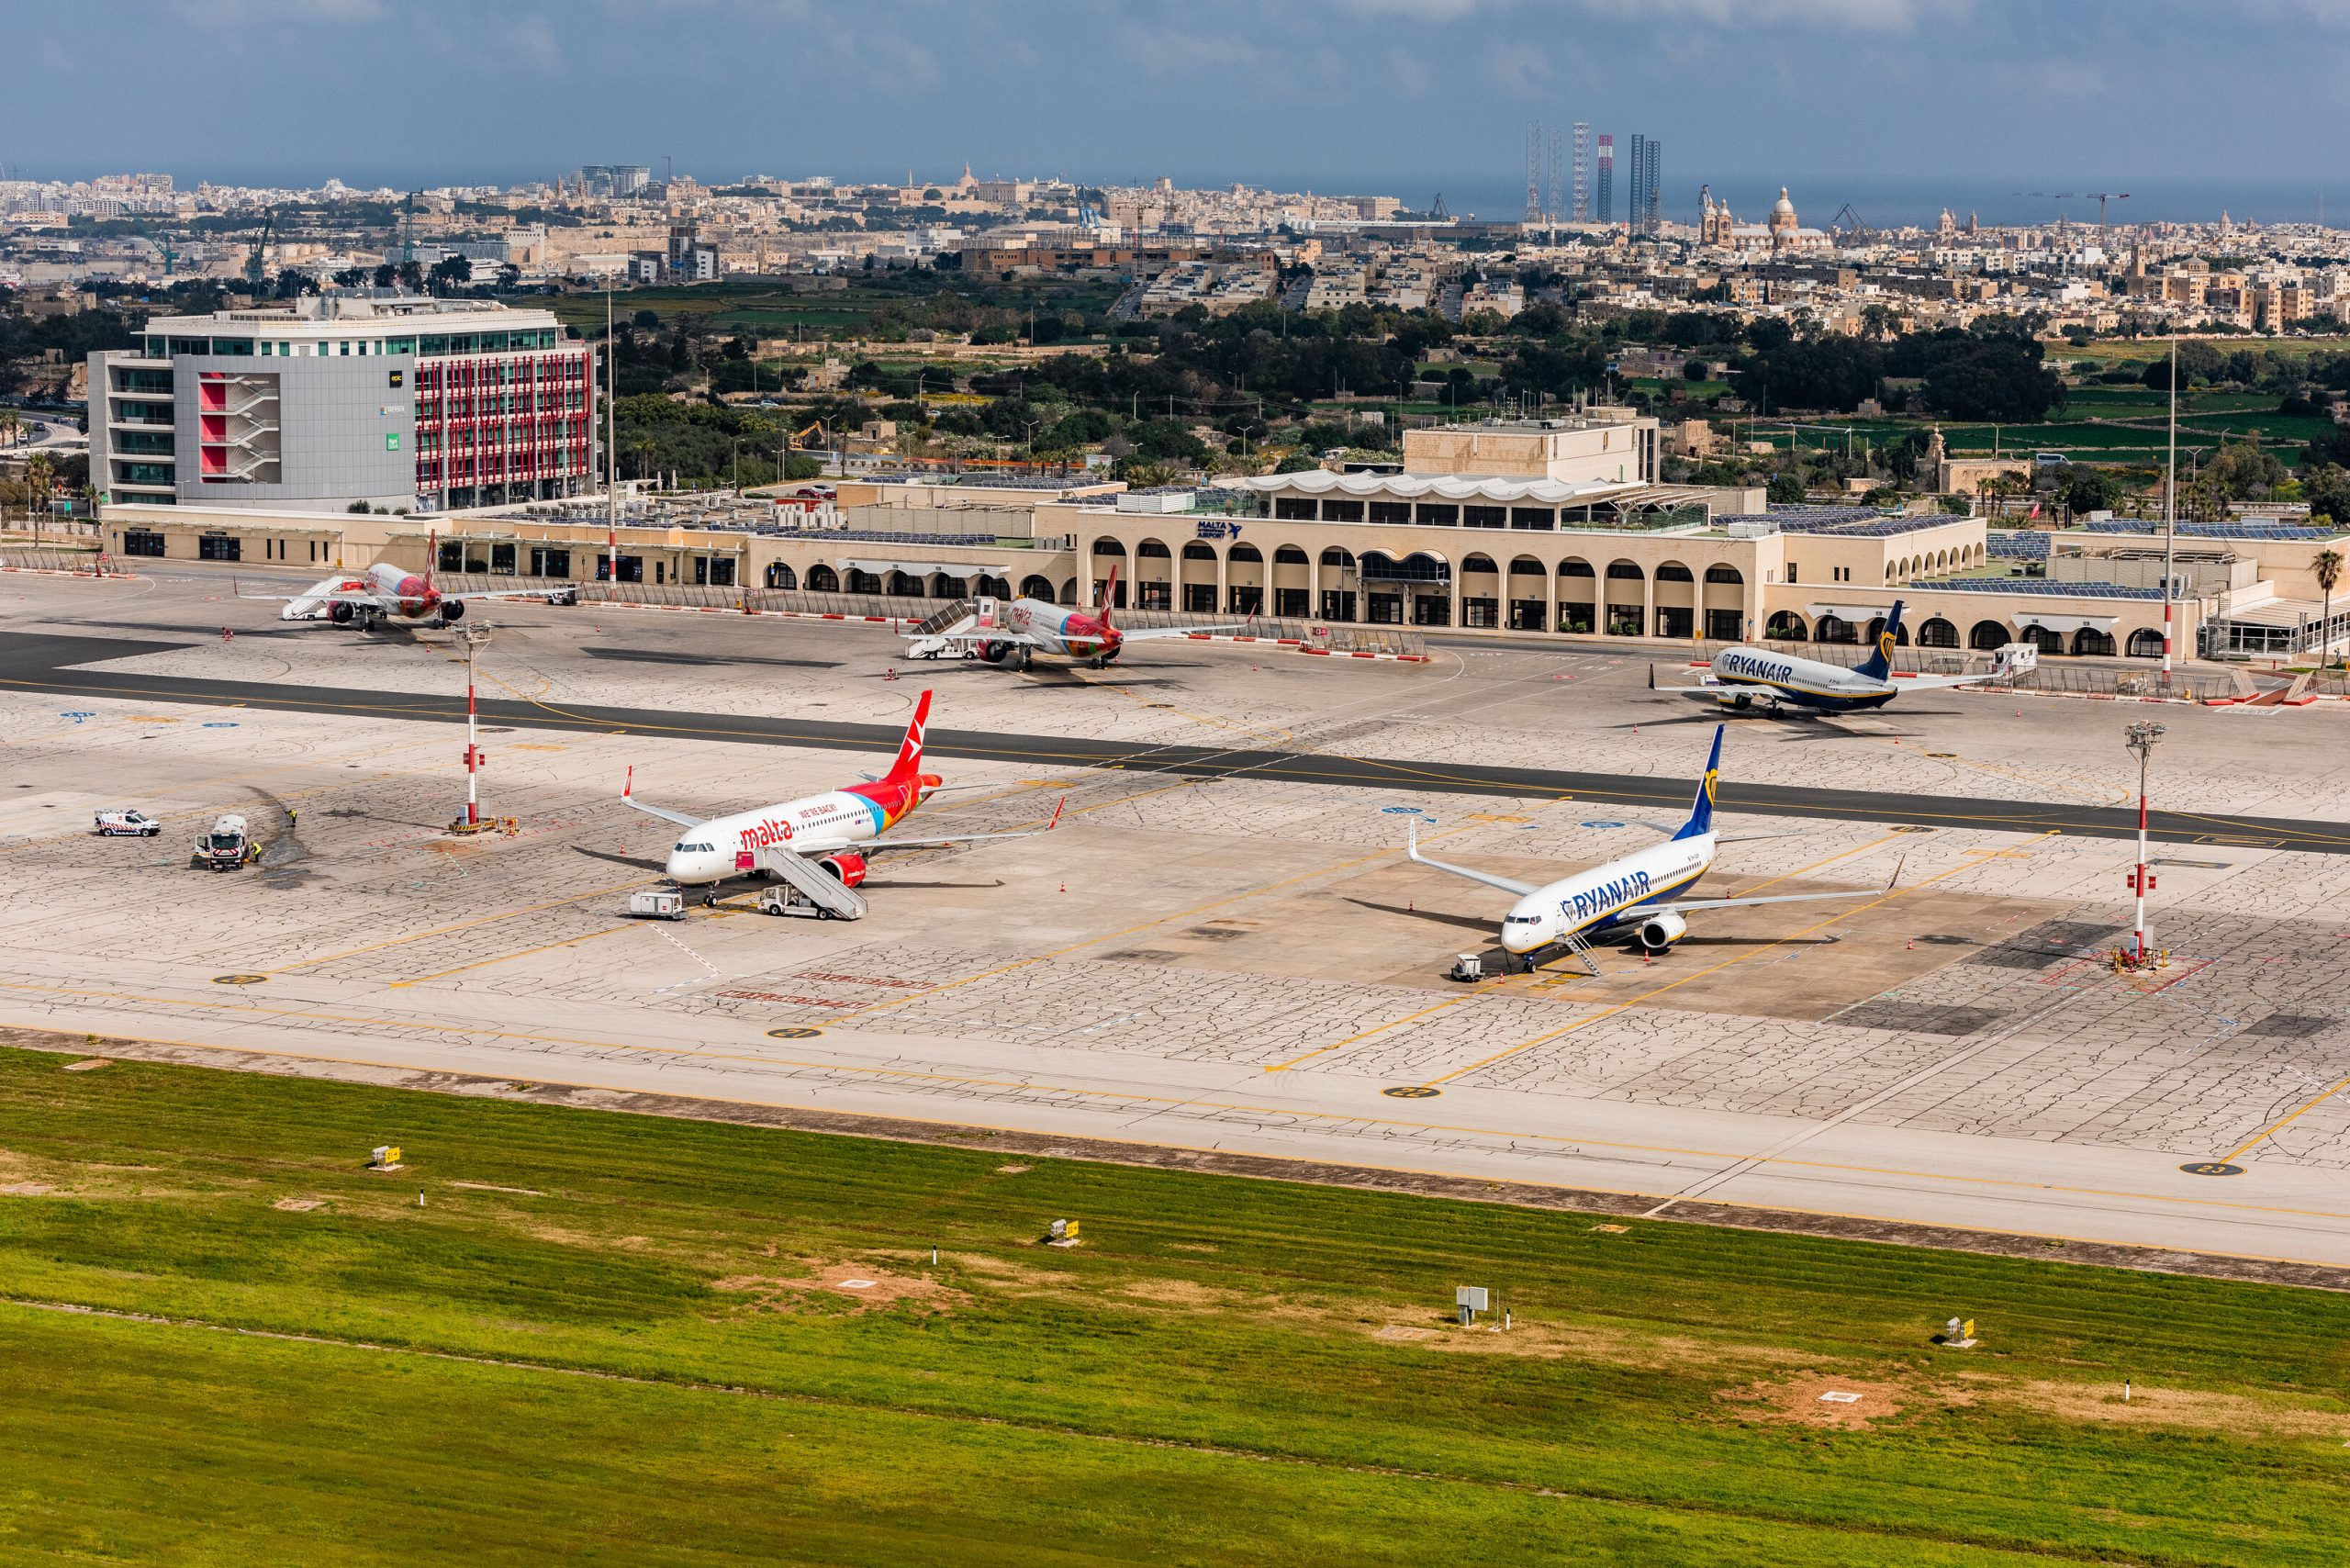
(48, 558)
(2061, 675)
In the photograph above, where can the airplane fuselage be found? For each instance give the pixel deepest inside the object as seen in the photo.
(811, 826)
(1070, 634)
(1747, 673)
(1615, 893)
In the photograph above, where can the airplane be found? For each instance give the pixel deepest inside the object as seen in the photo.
(1744, 678)
(1635, 892)
(838, 833)
(385, 593)
(1018, 632)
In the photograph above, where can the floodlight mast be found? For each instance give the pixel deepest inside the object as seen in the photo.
(2142, 739)
(2170, 513)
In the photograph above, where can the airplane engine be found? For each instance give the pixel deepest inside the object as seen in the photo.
(1660, 931)
(340, 614)
(994, 653)
(452, 610)
(848, 867)
(1741, 702)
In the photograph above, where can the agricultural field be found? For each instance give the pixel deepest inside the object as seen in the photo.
(764, 309)
(563, 1334)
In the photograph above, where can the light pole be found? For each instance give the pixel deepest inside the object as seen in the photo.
(2142, 739)
(2170, 509)
(473, 637)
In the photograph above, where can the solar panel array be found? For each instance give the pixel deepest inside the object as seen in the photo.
(2018, 545)
(1851, 523)
(887, 536)
(2043, 586)
(2287, 530)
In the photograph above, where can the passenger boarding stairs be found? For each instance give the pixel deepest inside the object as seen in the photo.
(817, 886)
(928, 640)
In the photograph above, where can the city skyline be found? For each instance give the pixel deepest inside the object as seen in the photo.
(1384, 95)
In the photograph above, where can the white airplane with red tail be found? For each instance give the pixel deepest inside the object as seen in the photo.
(384, 593)
(998, 633)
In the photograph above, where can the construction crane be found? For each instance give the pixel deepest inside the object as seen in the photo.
(1436, 207)
(2101, 198)
(161, 244)
(1847, 225)
(256, 260)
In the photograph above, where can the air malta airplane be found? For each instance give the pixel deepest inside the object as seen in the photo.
(1636, 893)
(1745, 679)
(838, 832)
(1016, 632)
(384, 593)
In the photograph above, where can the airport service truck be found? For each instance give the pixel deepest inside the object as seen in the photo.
(227, 846)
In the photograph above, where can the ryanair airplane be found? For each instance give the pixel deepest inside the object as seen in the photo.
(1637, 892)
(1744, 678)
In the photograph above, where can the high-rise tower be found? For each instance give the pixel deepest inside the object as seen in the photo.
(1583, 172)
(1551, 185)
(1606, 213)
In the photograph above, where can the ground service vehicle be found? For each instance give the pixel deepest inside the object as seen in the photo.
(126, 823)
(227, 846)
(657, 903)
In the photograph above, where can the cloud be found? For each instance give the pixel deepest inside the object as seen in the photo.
(256, 13)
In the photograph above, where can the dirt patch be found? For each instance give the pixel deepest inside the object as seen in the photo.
(298, 1205)
(1179, 1293)
(1012, 1170)
(1402, 1331)
(861, 1286)
(89, 1064)
(1855, 1403)
(486, 1187)
(2231, 1413)
(1194, 1246)
(26, 1189)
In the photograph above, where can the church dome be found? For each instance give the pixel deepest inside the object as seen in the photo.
(1784, 204)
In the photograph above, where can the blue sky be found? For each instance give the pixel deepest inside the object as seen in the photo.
(2184, 103)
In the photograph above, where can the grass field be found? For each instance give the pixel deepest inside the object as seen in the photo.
(611, 1338)
(763, 308)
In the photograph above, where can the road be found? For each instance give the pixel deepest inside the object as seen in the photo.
(45, 663)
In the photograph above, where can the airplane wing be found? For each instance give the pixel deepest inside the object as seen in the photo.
(628, 798)
(334, 590)
(1158, 632)
(1411, 850)
(506, 593)
(1929, 682)
(879, 845)
(986, 635)
(1685, 905)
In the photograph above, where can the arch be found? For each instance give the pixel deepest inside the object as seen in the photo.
(1068, 590)
(1106, 547)
(780, 576)
(1834, 628)
(945, 586)
(1718, 572)
(1334, 556)
(2145, 644)
(1034, 586)
(1528, 566)
(2042, 638)
(1876, 630)
(1150, 550)
(1786, 626)
(2093, 644)
(1988, 635)
(824, 579)
(1001, 587)
(1240, 553)
(1289, 555)
(1669, 571)
(862, 581)
(1938, 633)
(1195, 551)
(1576, 566)
(905, 585)
(1625, 571)
(1478, 561)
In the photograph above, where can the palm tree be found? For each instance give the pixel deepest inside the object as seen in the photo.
(37, 489)
(11, 422)
(2327, 568)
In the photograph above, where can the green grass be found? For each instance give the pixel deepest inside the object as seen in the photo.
(1198, 1383)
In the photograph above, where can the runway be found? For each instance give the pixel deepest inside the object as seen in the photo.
(37, 662)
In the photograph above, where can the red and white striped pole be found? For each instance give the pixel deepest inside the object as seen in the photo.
(472, 747)
(2142, 739)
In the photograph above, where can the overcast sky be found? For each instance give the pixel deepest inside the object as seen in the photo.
(2223, 99)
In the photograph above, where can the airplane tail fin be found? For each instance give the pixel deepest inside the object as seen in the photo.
(1701, 813)
(1878, 665)
(1109, 597)
(908, 767)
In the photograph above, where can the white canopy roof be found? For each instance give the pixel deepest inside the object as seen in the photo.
(924, 568)
(1440, 487)
(2061, 624)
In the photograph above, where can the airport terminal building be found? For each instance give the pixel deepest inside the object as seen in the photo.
(395, 400)
(1553, 529)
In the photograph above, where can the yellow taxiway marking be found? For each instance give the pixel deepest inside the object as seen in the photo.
(2273, 1128)
(1629, 1003)
(504, 958)
(1568, 1142)
(460, 925)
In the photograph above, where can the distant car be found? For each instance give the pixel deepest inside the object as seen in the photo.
(564, 595)
(126, 823)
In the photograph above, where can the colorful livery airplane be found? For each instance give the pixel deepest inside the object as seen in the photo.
(1744, 678)
(997, 632)
(1637, 892)
(385, 593)
(838, 832)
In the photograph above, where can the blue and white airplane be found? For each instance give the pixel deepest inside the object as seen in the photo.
(1635, 892)
(1744, 678)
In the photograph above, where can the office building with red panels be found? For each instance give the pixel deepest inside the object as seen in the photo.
(397, 401)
